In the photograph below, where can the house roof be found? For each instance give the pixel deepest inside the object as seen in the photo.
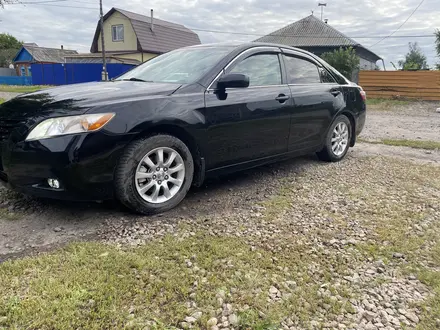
(43, 54)
(311, 32)
(97, 58)
(165, 36)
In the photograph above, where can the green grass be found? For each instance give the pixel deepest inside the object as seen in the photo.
(95, 286)
(386, 104)
(21, 89)
(418, 144)
(2, 100)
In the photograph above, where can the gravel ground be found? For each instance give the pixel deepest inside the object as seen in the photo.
(304, 205)
(8, 95)
(329, 213)
(413, 121)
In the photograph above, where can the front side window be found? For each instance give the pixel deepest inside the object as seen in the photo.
(301, 71)
(182, 66)
(118, 32)
(262, 69)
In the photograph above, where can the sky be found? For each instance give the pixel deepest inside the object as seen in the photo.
(72, 23)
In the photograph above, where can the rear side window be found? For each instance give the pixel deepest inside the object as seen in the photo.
(262, 69)
(301, 71)
(326, 77)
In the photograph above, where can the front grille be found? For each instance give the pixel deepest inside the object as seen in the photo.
(6, 127)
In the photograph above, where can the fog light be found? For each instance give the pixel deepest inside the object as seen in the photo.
(53, 183)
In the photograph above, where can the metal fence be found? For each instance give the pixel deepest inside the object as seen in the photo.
(72, 73)
(10, 80)
(423, 85)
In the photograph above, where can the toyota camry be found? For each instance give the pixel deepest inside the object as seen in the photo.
(147, 136)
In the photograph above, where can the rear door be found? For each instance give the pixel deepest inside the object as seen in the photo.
(254, 122)
(316, 97)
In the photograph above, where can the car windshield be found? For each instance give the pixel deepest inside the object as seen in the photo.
(181, 66)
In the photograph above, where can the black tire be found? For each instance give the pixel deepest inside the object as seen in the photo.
(125, 185)
(327, 154)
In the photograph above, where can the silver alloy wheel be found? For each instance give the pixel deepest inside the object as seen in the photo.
(160, 175)
(340, 139)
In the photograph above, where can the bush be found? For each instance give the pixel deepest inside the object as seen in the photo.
(344, 60)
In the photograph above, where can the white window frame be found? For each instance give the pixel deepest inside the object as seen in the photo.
(115, 33)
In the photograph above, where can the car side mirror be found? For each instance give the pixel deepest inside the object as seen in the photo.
(232, 80)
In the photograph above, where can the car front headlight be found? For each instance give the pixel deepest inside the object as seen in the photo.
(69, 125)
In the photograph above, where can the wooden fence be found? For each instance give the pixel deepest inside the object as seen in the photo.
(423, 85)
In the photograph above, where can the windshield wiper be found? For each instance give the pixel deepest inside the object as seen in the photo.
(137, 79)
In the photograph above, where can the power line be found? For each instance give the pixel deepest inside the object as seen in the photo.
(421, 2)
(50, 3)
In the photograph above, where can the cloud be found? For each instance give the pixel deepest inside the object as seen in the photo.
(54, 25)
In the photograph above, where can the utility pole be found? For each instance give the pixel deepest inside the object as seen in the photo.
(322, 5)
(104, 61)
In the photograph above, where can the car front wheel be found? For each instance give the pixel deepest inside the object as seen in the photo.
(154, 174)
(337, 140)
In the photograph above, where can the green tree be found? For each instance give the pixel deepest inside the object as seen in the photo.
(344, 60)
(437, 46)
(414, 59)
(9, 46)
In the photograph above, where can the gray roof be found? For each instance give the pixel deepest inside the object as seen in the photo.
(97, 58)
(165, 36)
(310, 32)
(50, 55)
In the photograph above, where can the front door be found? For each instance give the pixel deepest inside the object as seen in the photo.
(253, 122)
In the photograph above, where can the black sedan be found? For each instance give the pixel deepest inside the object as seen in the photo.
(147, 136)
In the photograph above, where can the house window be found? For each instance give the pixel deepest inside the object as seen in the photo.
(23, 71)
(118, 32)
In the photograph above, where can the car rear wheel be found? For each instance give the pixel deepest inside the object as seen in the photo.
(337, 140)
(154, 174)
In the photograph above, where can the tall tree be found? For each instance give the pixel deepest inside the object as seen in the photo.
(9, 46)
(414, 59)
(437, 46)
(344, 60)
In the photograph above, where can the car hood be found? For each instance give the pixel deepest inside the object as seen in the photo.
(79, 98)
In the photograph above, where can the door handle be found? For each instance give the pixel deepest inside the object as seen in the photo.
(282, 98)
(335, 92)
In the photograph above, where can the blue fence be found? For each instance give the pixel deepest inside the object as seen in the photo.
(14, 80)
(73, 73)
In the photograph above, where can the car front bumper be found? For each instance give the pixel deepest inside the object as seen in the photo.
(83, 164)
